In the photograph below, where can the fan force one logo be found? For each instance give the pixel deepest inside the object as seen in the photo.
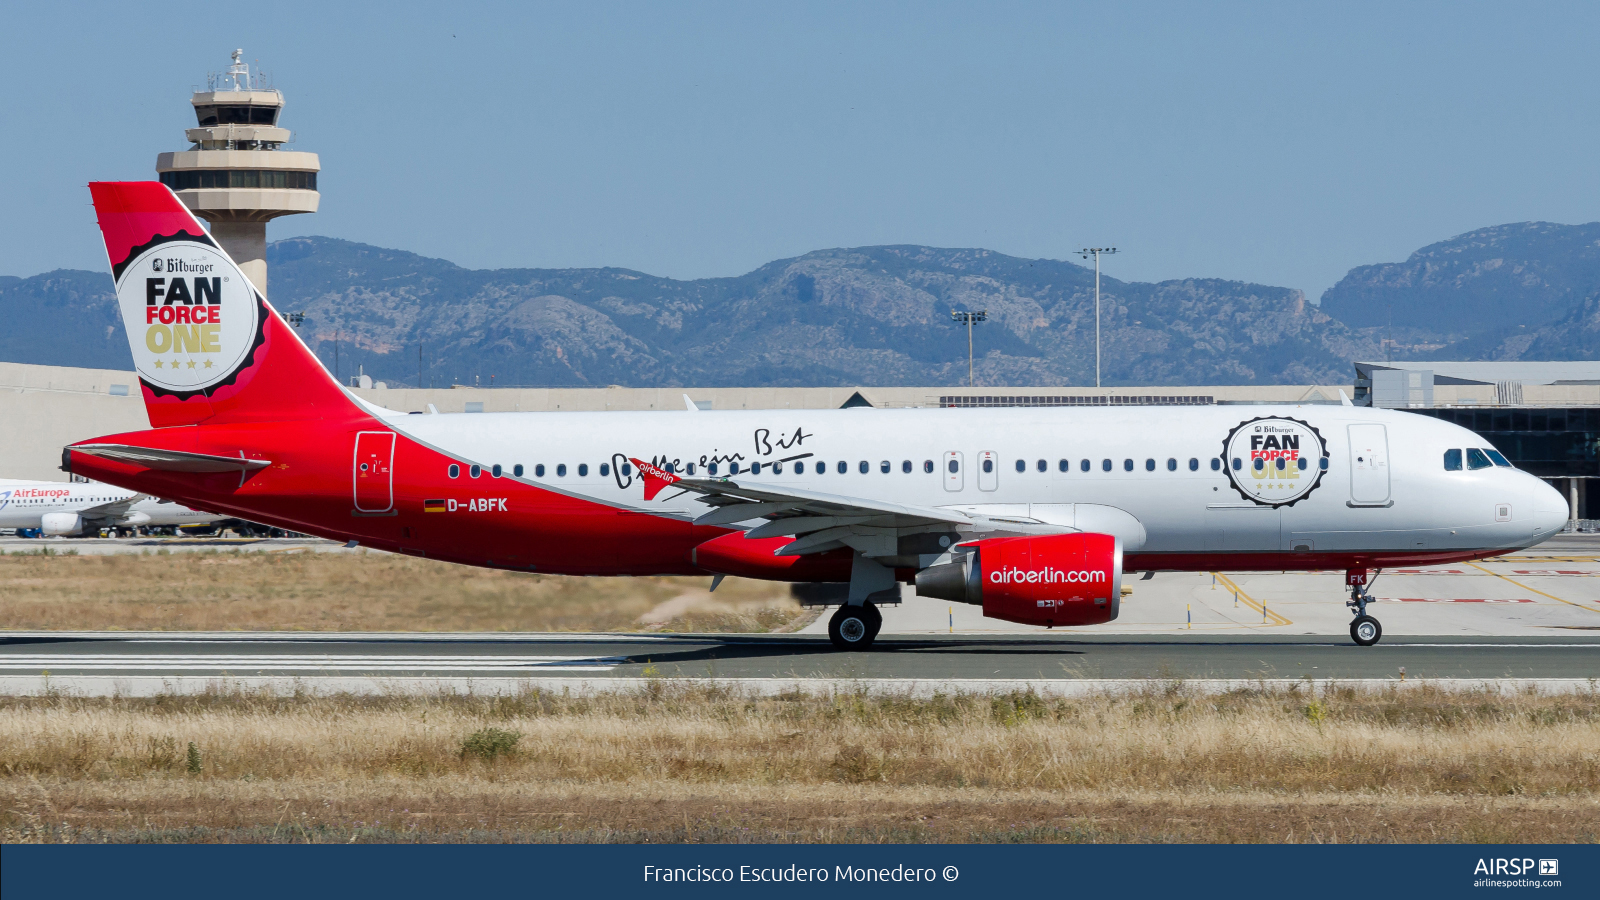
(1275, 461)
(191, 316)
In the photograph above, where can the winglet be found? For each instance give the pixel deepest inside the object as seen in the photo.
(654, 477)
(690, 404)
(1344, 399)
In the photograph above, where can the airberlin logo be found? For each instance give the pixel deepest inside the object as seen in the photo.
(1275, 461)
(1015, 575)
(192, 318)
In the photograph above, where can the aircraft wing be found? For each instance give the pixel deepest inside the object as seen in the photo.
(116, 509)
(819, 521)
(172, 460)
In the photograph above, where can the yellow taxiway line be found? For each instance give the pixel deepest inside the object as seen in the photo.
(1535, 590)
(1272, 617)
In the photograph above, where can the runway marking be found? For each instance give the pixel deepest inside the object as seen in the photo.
(1552, 572)
(346, 663)
(1535, 590)
(1449, 600)
(1425, 572)
(1251, 601)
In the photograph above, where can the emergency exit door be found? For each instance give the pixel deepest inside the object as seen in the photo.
(374, 480)
(1369, 465)
(953, 477)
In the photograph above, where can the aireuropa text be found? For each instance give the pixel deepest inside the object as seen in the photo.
(794, 873)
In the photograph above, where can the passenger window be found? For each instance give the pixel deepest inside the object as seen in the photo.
(733, 468)
(1259, 465)
(1022, 466)
(777, 467)
(712, 468)
(1063, 466)
(517, 470)
(1452, 460)
(1215, 464)
(755, 468)
(1172, 464)
(1105, 465)
(1127, 465)
(927, 466)
(988, 465)
(955, 466)
(455, 471)
(495, 471)
(1237, 464)
(1323, 463)
(627, 469)
(1149, 465)
(583, 469)
(1499, 458)
(863, 467)
(538, 470)
(475, 471)
(1042, 466)
(561, 470)
(1301, 463)
(1083, 465)
(905, 466)
(605, 469)
(844, 467)
(1194, 464)
(884, 467)
(1477, 459)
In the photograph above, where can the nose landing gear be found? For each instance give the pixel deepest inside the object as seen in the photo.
(1364, 630)
(855, 627)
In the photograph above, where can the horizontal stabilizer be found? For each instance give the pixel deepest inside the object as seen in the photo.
(171, 460)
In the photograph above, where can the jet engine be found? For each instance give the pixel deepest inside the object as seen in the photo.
(61, 524)
(1056, 579)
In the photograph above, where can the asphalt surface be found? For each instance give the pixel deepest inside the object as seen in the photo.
(999, 657)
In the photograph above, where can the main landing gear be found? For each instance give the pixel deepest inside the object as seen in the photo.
(1364, 630)
(855, 627)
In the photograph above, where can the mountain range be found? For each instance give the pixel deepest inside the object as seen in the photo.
(872, 315)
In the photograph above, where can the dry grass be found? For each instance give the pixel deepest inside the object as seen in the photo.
(695, 764)
(304, 591)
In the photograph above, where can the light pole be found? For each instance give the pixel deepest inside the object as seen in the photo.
(1096, 251)
(969, 316)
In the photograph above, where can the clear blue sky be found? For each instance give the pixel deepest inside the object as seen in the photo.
(1271, 142)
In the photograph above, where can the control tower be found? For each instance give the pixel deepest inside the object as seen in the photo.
(234, 175)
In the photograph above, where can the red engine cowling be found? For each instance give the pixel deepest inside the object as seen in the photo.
(1057, 579)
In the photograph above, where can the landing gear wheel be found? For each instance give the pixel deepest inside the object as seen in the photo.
(1365, 631)
(854, 627)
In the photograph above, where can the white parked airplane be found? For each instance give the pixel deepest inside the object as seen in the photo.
(74, 508)
(1035, 514)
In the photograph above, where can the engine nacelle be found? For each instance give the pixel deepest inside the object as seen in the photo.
(61, 524)
(134, 518)
(1056, 579)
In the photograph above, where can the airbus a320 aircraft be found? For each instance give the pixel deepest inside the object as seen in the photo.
(69, 509)
(1034, 514)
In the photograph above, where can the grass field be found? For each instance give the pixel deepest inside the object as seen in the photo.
(368, 591)
(673, 763)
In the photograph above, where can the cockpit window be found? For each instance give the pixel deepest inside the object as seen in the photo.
(1452, 460)
(1499, 458)
(1477, 459)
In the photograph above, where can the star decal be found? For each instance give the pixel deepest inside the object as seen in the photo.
(158, 363)
(191, 363)
(175, 363)
(208, 363)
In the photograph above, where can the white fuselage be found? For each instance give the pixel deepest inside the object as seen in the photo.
(1398, 498)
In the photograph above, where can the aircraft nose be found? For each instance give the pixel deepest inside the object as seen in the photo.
(1550, 511)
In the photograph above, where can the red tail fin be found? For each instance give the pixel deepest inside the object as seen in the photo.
(207, 346)
(654, 477)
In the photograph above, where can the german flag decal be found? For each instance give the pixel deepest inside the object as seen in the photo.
(433, 506)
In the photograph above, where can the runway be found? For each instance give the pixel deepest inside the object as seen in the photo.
(152, 663)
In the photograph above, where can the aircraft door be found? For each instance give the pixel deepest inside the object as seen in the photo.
(988, 470)
(374, 480)
(953, 477)
(1369, 465)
